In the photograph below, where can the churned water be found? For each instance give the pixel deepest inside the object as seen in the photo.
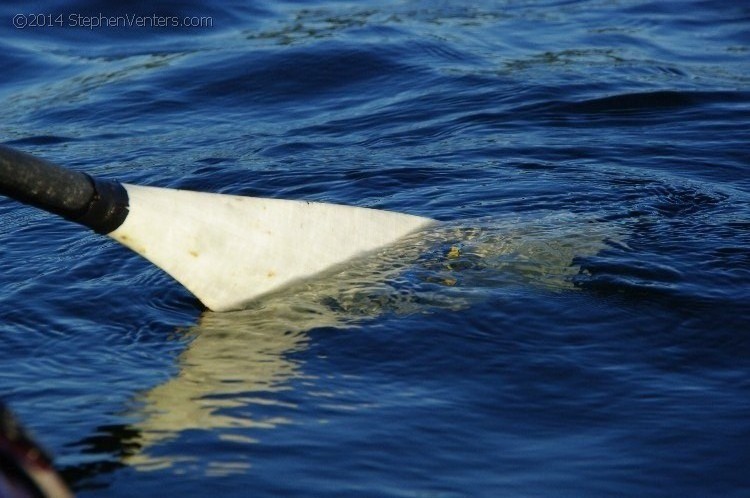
(577, 325)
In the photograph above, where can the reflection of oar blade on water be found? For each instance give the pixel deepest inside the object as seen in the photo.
(235, 365)
(225, 249)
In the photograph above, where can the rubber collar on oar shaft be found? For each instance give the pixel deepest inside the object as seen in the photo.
(101, 205)
(108, 207)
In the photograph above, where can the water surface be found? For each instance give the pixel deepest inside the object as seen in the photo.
(577, 325)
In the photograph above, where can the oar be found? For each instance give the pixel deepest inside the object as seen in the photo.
(225, 249)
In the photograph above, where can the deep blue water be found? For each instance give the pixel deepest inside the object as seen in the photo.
(577, 326)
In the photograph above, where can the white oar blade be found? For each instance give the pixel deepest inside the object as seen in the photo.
(228, 250)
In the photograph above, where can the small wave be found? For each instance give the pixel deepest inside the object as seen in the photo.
(41, 140)
(294, 74)
(640, 108)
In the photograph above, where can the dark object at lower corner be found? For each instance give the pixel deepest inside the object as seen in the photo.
(25, 469)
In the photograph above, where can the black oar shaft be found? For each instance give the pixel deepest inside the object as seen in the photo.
(98, 204)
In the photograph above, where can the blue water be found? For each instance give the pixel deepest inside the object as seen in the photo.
(578, 325)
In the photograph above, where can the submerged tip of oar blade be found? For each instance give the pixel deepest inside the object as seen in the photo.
(228, 250)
